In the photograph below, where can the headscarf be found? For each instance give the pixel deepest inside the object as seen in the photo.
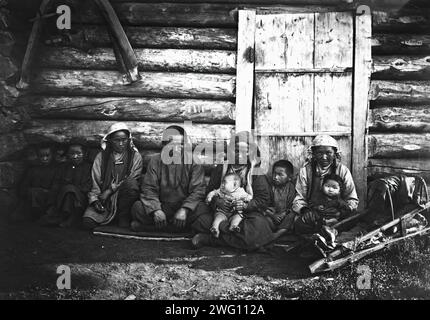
(177, 173)
(107, 162)
(118, 126)
(247, 170)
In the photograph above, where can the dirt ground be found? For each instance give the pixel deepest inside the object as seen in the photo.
(110, 268)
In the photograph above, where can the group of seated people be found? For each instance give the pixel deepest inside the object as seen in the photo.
(239, 207)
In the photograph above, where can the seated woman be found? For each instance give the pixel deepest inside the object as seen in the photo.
(254, 230)
(115, 174)
(324, 161)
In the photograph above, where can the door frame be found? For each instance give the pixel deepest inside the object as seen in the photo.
(362, 64)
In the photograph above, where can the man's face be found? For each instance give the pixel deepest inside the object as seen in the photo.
(75, 154)
(331, 188)
(119, 141)
(279, 176)
(45, 156)
(324, 155)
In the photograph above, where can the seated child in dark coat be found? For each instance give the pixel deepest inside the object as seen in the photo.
(35, 189)
(230, 189)
(70, 188)
(329, 206)
(282, 193)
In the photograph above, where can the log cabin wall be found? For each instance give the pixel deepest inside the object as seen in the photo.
(187, 57)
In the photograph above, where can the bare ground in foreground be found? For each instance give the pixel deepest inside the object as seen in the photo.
(109, 268)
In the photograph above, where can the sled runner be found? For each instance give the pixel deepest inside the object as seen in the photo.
(392, 232)
(400, 194)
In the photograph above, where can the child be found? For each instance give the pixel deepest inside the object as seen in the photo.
(330, 207)
(282, 195)
(70, 189)
(35, 189)
(230, 189)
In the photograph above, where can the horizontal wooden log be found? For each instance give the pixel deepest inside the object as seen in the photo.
(11, 173)
(396, 92)
(147, 135)
(164, 37)
(194, 60)
(401, 67)
(258, 2)
(399, 145)
(406, 164)
(190, 14)
(373, 3)
(225, 15)
(400, 119)
(31, 5)
(182, 60)
(403, 20)
(11, 144)
(226, 39)
(164, 14)
(410, 167)
(110, 83)
(139, 109)
(385, 67)
(388, 44)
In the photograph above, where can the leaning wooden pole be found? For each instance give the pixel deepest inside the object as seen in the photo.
(117, 32)
(24, 79)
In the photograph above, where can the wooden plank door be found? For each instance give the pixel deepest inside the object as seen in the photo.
(304, 82)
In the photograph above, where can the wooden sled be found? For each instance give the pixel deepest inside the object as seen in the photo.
(352, 251)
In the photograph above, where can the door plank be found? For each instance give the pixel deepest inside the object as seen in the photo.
(245, 70)
(284, 103)
(284, 41)
(333, 101)
(362, 72)
(333, 40)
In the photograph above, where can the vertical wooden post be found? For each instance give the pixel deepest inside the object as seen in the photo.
(245, 70)
(362, 72)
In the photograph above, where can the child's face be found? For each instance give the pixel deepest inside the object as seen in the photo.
(75, 154)
(45, 156)
(331, 188)
(279, 176)
(230, 184)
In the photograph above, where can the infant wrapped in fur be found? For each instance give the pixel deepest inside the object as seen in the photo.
(230, 190)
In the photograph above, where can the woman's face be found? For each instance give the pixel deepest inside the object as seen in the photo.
(324, 155)
(241, 152)
(119, 141)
